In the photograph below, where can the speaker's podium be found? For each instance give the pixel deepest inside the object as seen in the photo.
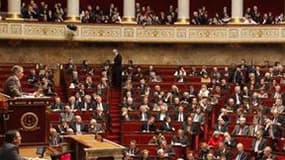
(30, 116)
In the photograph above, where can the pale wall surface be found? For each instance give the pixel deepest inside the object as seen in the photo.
(59, 52)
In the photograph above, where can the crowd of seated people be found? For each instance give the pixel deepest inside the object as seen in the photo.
(41, 79)
(242, 88)
(97, 15)
(43, 12)
(146, 16)
(73, 125)
(201, 17)
(253, 16)
(85, 98)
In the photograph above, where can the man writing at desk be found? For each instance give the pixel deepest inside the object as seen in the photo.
(12, 86)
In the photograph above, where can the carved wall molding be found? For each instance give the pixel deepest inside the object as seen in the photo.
(137, 33)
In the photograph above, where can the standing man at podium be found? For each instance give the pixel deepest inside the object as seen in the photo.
(12, 86)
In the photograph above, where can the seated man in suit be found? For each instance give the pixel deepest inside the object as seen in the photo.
(9, 150)
(143, 114)
(95, 127)
(223, 151)
(132, 150)
(166, 149)
(180, 115)
(87, 104)
(229, 141)
(162, 114)
(149, 126)
(78, 126)
(241, 154)
(221, 127)
(57, 105)
(166, 125)
(54, 137)
(101, 105)
(267, 154)
(180, 138)
(258, 144)
(241, 129)
(67, 115)
(12, 86)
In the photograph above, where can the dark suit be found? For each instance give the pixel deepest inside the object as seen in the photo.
(103, 105)
(226, 153)
(275, 130)
(176, 116)
(133, 151)
(231, 143)
(68, 117)
(54, 140)
(9, 151)
(166, 127)
(117, 71)
(190, 129)
(148, 127)
(86, 106)
(261, 145)
(238, 130)
(57, 106)
(241, 156)
(100, 117)
(182, 141)
(221, 128)
(12, 87)
(81, 128)
(253, 129)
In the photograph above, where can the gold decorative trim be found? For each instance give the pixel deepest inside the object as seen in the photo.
(236, 21)
(129, 20)
(141, 34)
(14, 17)
(29, 121)
(73, 19)
(182, 21)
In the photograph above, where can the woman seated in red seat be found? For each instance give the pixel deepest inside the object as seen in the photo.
(215, 140)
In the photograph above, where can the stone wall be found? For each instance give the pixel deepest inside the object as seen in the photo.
(141, 53)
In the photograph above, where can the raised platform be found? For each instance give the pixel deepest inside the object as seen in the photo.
(138, 33)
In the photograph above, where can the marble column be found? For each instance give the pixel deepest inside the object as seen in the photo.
(237, 11)
(73, 10)
(129, 11)
(183, 12)
(14, 10)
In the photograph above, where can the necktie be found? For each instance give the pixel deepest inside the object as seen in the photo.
(238, 156)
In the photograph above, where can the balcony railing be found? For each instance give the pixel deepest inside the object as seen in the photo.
(136, 33)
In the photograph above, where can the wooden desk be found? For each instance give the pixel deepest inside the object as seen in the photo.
(85, 147)
(30, 152)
